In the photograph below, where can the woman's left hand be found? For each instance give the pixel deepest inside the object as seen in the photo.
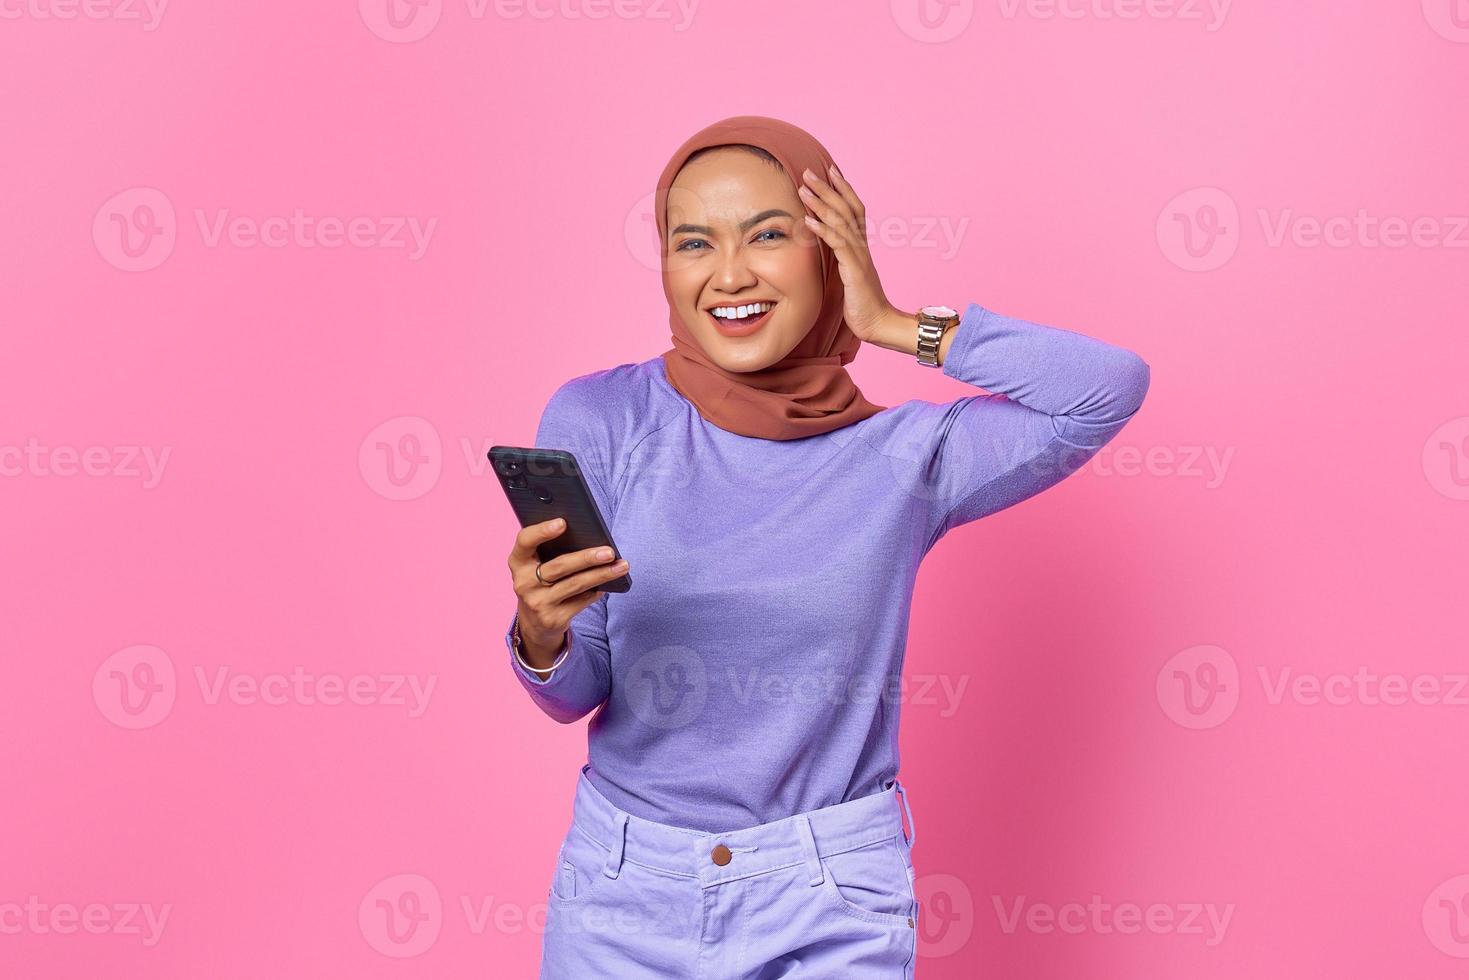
(842, 225)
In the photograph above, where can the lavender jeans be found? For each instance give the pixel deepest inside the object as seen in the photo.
(825, 893)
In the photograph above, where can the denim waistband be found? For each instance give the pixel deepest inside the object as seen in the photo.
(803, 838)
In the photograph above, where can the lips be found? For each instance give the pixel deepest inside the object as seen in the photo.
(741, 327)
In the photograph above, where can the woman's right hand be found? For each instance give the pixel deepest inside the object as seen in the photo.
(545, 611)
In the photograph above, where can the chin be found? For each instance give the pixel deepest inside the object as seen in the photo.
(739, 361)
(742, 354)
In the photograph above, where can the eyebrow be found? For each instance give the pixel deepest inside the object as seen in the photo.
(745, 225)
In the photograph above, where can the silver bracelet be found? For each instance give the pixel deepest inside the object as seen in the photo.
(515, 648)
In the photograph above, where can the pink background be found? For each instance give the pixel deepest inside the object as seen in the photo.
(1121, 640)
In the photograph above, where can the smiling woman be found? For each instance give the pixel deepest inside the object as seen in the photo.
(740, 814)
(737, 230)
(715, 253)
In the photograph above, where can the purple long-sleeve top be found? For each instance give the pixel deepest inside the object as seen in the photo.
(753, 670)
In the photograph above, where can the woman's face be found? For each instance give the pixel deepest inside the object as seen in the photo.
(736, 236)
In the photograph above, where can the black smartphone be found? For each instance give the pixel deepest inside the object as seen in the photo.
(545, 483)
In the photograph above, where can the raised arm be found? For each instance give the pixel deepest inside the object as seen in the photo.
(1057, 397)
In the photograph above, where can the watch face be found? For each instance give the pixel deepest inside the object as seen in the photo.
(941, 312)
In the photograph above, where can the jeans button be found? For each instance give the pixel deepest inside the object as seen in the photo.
(720, 855)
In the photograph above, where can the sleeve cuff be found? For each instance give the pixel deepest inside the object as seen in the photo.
(965, 340)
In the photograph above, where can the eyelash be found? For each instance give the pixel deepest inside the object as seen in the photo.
(694, 241)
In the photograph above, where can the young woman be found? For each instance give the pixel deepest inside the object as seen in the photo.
(738, 816)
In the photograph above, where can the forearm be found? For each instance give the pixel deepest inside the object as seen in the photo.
(899, 331)
(580, 683)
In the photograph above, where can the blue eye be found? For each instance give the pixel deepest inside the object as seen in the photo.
(699, 241)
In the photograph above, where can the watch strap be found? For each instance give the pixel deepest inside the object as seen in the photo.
(931, 328)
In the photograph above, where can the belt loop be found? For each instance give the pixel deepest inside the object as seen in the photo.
(911, 834)
(614, 855)
(808, 849)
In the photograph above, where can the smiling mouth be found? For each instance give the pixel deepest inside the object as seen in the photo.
(740, 325)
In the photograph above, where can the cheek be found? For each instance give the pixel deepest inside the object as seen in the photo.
(796, 272)
(810, 264)
(805, 285)
(683, 285)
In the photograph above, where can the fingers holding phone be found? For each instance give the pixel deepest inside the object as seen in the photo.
(567, 585)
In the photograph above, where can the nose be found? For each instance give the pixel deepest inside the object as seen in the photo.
(733, 273)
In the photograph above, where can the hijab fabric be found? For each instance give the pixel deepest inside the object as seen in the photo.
(808, 391)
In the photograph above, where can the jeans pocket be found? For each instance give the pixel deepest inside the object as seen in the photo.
(579, 865)
(565, 878)
(873, 882)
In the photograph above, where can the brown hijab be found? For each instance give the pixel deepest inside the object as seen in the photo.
(807, 392)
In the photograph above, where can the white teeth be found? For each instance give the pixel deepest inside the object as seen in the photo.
(739, 312)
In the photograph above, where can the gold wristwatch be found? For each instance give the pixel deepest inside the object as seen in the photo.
(932, 322)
